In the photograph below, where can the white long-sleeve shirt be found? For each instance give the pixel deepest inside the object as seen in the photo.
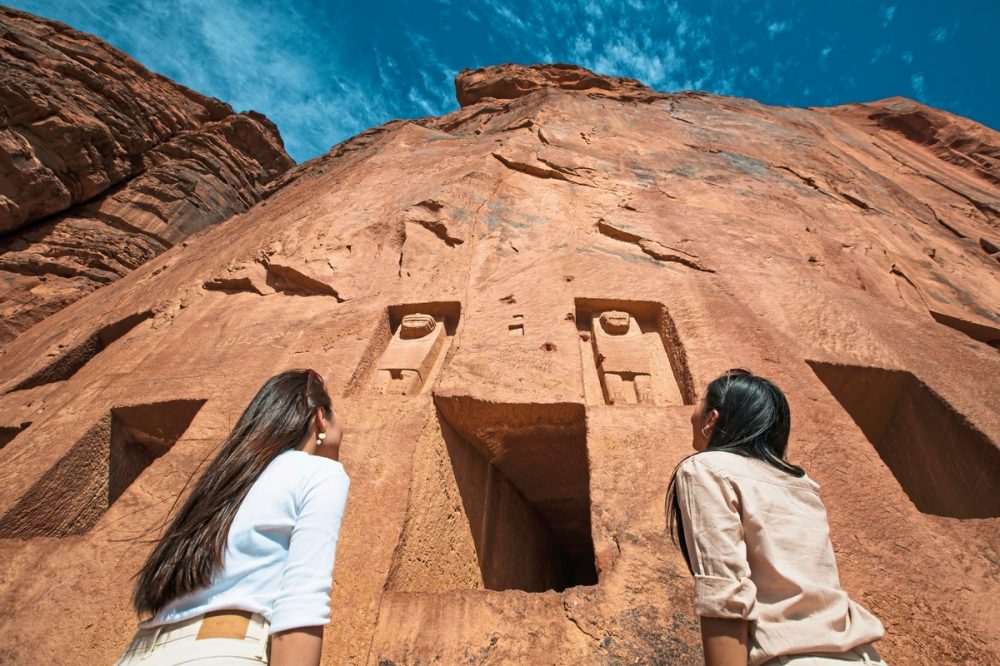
(280, 553)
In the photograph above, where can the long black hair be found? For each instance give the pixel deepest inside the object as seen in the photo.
(191, 550)
(754, 421)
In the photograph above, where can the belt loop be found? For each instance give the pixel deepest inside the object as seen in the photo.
(264, 640)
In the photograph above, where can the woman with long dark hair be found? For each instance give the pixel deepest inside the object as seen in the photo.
(243, 573)
(755, 536)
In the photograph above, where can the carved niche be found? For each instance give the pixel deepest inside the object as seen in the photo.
(408, 359)
(622, 359)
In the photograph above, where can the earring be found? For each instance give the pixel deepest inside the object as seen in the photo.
(319, 438)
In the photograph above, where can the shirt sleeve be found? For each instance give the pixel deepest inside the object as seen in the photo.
(713, 534)
(304, 598)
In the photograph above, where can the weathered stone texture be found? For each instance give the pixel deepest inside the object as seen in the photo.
(507, 490)
(77, 116)
(103, 165)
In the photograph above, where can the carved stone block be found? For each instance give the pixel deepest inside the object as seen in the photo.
(407, 361)
(622, 359)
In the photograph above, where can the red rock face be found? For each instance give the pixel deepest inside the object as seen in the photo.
(78, 116)
(515, 307)
(505, 82)
(104, 165)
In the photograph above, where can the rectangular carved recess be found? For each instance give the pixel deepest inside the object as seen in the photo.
(67, 363)
(945, 465)
(413, 346)
(78, 489)
(520, 476)
(632, 354)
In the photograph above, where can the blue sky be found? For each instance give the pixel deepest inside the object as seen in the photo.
(324, 71)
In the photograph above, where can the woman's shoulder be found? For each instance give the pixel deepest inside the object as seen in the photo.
(734, 467)
(712, 463)
(298, 466)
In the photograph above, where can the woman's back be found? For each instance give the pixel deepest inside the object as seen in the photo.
(759, 545)
(265, 571)
(247, 559)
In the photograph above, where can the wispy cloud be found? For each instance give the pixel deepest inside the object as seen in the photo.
(824, 56)
(326, 71)
(888, 13)
(776, 28)
(881, 52)
(253, 56)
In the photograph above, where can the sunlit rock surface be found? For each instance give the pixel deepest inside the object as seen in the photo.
(515, 307)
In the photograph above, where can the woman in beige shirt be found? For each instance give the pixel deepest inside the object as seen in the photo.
(755, 535)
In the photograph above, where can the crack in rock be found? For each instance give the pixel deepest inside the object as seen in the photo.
(856, 201)
(287, 279)
(807, 180)
(652, 248)
(428, 215)
(577, 624)
(541, 170)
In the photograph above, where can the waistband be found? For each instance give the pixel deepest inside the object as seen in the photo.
(231, 624)
(864, 654)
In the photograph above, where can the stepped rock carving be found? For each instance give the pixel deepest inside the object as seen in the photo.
(515, 307)
(407, 362)
(622, 359)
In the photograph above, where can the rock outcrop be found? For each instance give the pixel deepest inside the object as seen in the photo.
(949, 137)
(504, 82)
(515, 307)
(104, 165)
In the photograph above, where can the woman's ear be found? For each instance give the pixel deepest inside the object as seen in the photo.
(321, 420)
(711, 418)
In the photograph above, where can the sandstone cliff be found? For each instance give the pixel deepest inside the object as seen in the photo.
(103, 165)
(572, 257)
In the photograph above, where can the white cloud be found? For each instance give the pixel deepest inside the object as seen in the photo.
(262, 57)
(776, 28)
(888, 13)
(581, 48)
(301, 74)
(422, 101)
(939, 35)
(501, 9)
(907, 57)
(881, 52)
(593, 9)
(624, 58)
(919, 89)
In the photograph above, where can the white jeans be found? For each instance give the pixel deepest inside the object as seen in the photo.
(178, 643)
(863, 654)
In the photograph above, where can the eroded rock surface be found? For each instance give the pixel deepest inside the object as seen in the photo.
(504, 82)
(104, 165)
(515, 307)
(951, 138)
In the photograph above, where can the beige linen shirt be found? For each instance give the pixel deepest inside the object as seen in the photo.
(760, 549)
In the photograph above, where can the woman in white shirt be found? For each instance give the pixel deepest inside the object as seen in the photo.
(755, 536)
(243, 573)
